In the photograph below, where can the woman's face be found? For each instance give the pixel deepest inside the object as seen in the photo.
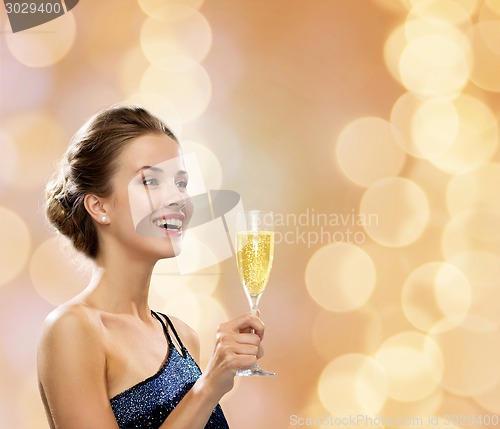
(150, 207)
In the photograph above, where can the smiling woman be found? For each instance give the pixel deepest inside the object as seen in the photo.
(120, 195)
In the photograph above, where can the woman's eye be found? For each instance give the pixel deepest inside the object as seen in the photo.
(150, 181)
(181, 184)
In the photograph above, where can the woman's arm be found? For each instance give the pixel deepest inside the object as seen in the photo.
(72, 371)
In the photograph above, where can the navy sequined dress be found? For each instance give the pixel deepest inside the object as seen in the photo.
(148, 403)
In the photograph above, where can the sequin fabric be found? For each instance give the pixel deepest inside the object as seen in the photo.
(148, 404)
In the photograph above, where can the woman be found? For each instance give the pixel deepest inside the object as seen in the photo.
(106, 360)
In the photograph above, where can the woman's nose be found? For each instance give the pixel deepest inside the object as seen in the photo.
(173, 196)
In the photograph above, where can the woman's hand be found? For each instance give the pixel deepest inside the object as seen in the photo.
(236, 347)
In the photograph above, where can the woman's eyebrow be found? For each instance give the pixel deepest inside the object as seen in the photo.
(150, 167)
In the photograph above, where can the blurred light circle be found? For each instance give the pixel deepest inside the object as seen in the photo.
(55, 271)
(490, 32)
(438, 27)
(482, 268)
(402, 115)
(435, 128)
(470, 359)
(353, 382)
(436, 292)
(45, 46)
(185, 305)
(189, 90)
(161, 107)
(15, 245)
(434, 66)
(340, 277)
(367, 150)
(207, 160)
(164, 43)
(477, 139)
(473, 229)
(401, 208)
(475, 189)
(486, 60)
(8, 160)
(490, 400)
(445, 11)
(39, 143)
(413, 364)
(169, 9)
(393, 48)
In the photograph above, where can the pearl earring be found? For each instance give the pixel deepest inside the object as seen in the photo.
(104, 219)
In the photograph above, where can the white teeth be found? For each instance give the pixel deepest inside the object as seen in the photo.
(168, 223)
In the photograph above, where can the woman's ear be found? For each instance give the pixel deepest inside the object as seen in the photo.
(95, 207)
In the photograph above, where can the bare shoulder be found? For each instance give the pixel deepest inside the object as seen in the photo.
(188, 336)
(70, 319)
(70, 327)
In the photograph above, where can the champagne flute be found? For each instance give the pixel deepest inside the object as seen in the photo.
(254, 258)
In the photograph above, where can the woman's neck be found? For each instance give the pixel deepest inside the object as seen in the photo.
(119, 287)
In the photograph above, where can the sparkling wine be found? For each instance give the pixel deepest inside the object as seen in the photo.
(255, 257)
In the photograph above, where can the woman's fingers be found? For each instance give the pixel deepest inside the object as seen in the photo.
(245, 323)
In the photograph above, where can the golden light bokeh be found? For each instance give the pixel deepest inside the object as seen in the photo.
(39, 142)
(189, 89)
(476, 351)
(57, 275)
(442, 11)
(340, 277)
(434, 128)
(475, 189)
(165, 44)
(211, 168)
(436, 295)
(15, 245)
(413, 364)
(490, 400)
(367, 150)
(434, 66)
(401, 208)
(468, 230)
(45, 46)
(169, 9)
(486, 61)
(477, 139)
(8, 160)
(353, 383)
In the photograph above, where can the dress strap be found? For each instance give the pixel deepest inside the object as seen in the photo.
(171, 326)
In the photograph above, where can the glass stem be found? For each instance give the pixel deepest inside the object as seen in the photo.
(254, 301)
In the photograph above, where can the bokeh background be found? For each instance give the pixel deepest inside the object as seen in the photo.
(370, 127)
